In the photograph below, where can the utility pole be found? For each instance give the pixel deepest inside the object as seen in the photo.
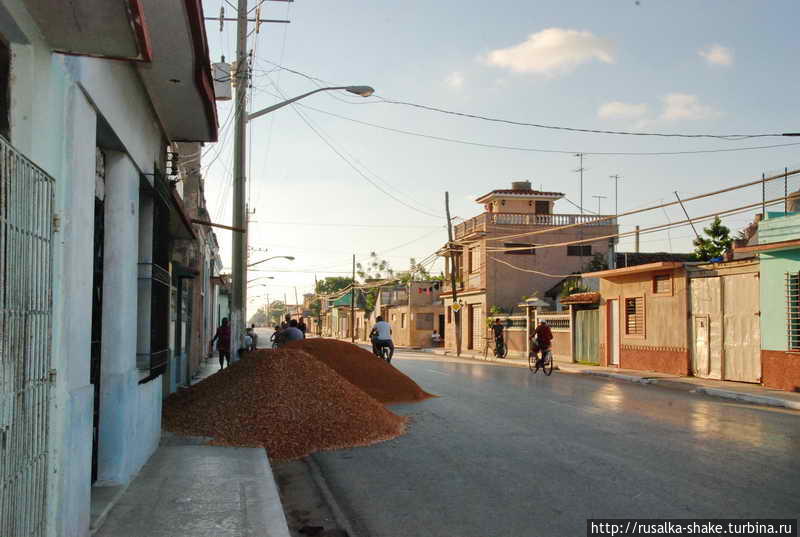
(598, 201)
(687, 215)
(453, 270)
(239, 274)
(615, 177)
(636, 247)
(580, 170)
(353, 304)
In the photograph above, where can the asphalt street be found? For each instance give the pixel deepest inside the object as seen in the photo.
(503, 452)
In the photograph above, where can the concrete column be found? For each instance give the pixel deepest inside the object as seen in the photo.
(119, 376)
(71, 433)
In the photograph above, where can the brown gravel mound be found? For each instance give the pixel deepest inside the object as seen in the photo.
(286, 401)
(379, 379)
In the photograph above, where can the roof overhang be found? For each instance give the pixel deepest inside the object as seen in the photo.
(520, 194)
(636, 269)
(100, 28)
(178, 78)
(770, 246)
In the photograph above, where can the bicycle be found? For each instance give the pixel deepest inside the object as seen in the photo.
(500, 352)
(383, 352)
(545, 363)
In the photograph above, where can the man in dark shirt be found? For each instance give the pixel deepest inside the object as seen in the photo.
(223, 339)
(497, 328)
(292, 333)
(302, 326)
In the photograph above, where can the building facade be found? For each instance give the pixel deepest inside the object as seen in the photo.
(515, 249)
(89, 218)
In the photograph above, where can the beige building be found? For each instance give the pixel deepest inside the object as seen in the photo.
(498, 262)
(414, 310)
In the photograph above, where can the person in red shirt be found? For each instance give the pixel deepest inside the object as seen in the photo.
(223, 339)
(542, 337)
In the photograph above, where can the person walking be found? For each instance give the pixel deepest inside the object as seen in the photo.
(301, 325)
(292, 332)
(223, 339)
(254, 336)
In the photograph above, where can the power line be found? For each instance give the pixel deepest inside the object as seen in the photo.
(574, 129)
(353, 166)
(645, 209)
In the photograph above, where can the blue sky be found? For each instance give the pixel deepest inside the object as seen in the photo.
(717, 67)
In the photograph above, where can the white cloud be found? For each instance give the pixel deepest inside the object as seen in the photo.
(455, 80)
(553, 51)
(620, 110)
(684, 106)
(717, 55)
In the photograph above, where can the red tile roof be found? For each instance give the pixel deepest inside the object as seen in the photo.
(582, 298)
(527, 192)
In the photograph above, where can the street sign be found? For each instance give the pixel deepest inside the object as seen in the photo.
(456, 307)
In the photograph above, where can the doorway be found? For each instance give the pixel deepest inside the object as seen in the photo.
(612, 327)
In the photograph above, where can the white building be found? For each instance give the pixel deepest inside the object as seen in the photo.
(92, 93)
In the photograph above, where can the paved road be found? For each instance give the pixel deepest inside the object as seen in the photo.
(503, 452)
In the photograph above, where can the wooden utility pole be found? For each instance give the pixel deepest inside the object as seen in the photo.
(696, 234)
(353, 304)
(453, 270)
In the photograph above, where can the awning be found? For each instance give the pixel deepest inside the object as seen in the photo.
(636, 269)
(100, 28)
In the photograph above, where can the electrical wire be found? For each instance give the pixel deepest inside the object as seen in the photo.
(540, 150)
(354, 167)
(595, 221)
(574, 129)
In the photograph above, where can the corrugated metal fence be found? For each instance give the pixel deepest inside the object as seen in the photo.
(26, 220)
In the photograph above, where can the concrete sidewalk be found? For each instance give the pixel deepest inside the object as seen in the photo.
(740, 391)
(192, 489)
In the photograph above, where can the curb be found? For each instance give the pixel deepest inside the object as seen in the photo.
(748, 398)
(338, 514)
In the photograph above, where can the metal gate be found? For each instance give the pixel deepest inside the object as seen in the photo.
(26, 219)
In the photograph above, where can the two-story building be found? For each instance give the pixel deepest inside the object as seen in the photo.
(518, 247)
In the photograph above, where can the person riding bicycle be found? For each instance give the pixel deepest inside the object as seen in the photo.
(381, 336)
(542, 338)
(499, 343)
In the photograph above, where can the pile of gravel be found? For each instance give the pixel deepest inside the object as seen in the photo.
(287, 401)
(362, 368)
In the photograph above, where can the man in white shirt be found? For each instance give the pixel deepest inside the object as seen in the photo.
(381, 335)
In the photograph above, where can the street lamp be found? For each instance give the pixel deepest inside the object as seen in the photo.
(239, 291)
(261, 278)
(363, 91)
(289, 257)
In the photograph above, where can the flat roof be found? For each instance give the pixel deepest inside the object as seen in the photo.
(780, 245)
(648, 267)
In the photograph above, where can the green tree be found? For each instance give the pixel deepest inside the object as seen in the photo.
(374, 269)
(277, 309)
(597, 263)
(260, 317)
(715, 244)
(326, 286)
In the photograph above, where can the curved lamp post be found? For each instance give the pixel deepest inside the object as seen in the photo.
(289, 257)
(363, 91)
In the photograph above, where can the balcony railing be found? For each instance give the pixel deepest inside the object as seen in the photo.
(484, 220)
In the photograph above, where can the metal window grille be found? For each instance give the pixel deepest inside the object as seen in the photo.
(662, 284)
(520, 249)
(793, 310)
(26, 220)
(584, 250)
(634, 316)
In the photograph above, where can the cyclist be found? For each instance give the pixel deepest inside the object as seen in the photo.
(381, 336)
(497, 329)
(542, 337)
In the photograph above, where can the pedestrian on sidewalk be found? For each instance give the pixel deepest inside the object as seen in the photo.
(223, 339)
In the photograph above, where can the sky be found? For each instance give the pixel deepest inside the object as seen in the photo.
(324, 187)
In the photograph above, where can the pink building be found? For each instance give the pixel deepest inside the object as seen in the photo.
(514, 249)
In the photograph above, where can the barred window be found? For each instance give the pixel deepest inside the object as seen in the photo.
(634, 316)
(520, 249)
(662, 284)
(793, 310)
(584, 250)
